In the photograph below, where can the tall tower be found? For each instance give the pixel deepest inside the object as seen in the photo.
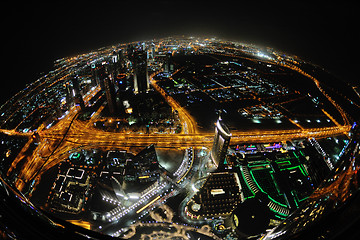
(221, 142)
(69, 95)
(110, 95)
(93, 75)
(141, 78)
(168, 65)
(77, 94)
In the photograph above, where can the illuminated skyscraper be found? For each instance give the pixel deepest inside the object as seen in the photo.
(141, 78)
(151, 51)
(105, 74)
(168, 65)
(69, 96)
(110, 95)
(93, 75)
(221, 142)
(76, 93)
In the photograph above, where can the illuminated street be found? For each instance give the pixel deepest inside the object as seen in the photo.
(169, 138)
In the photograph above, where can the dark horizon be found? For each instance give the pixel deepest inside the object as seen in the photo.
(321, 34)
(124, 144)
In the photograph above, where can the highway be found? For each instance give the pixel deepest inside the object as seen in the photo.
(69, 133)
(188, 123)
(50, 144)
(81, 134)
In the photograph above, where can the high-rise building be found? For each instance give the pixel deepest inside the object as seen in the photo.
(69, 96)
(141, 78)
(151, 51)
(77, 94)
(221, 142)
(99, 73)
(115, 63)
(93, 75)
(106, 75)
(168, 65)
(110, 95)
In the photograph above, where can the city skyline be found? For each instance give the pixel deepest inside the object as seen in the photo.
(311, 31)
(122, 139)
(179, 119)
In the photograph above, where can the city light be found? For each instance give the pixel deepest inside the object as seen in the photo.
(126, 137)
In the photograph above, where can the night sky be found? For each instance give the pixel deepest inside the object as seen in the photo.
(36, 34)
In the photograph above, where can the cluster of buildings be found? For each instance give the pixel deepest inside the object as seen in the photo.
(75, 81)
(112, 174)
(267, 181)
(217, 197)
(39, 106)
(258, 183)
(194, 72)
(10, 147)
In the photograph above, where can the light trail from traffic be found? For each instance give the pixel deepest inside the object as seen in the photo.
(79, 135)
(189, 124)
(253, 89)
(69, 133)
(82, 134)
